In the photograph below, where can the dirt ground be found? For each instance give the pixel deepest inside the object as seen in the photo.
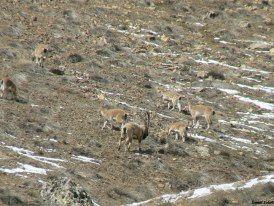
(125, 49)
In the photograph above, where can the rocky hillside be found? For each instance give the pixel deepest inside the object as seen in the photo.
(217, 52)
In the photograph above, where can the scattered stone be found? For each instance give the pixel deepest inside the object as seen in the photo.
(216, 75)
(202, 74)
(74, 58)
(148, 85)
(203, 151)
(101, 41)
(57, 71)
(165, 38)
(211, 15)
(245, 24)
(70, 15)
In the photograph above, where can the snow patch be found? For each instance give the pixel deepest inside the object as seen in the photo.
(196, 136)
(263, 105)
(205, 191)
(25, 168)
(86, 159)
(244, 68)
(229, 91)
(30, 154)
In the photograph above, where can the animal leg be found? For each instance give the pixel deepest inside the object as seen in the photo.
(179, 106)
(194, 121)
(139, 145)
(105, 123)
(183, 139)
(176, 136)
(128, 143)
(5, 94)
(208, 120)
(173, 106)
(111, 123)
(119, 145)
(122, 137)
(184, 134)
(168, 105)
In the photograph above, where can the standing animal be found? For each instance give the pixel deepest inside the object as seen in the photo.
(180, 129)
(200, 111)
(39, 54)
(112, 115)
(8, 89)
(132, 131)
(170, 96)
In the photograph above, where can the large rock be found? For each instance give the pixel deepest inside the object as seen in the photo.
(63, 191)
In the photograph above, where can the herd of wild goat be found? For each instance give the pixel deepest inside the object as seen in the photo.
(129, 130)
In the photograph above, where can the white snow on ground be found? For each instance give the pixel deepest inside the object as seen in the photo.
(25, 168)
(258, 116)
(137, 35)
(246, 141)
(229, 91)
(30, 154)
(199, 24)
(258, 87)
(196, 136)
(205, 191)
(245, 68)
(9, 135)
(247, 126)
(263, 105)
(164, 54)
(168, 86)
(86, 159)
(251, 79)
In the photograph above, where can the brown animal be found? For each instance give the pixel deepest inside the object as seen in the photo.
(200, 111)
(8, 89)
(180, 129)
(112, 115)
(170, 96)
(132, 131)
(39, 54)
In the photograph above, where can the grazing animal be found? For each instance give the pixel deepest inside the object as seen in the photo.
(112, 115)
(170, 96)
(132, 131)
(8, 89)
(180, 129)
(200, 111)
(39, 54)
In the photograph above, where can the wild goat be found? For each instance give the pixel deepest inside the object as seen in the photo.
(39, 54)
(200, 111)
(170, 96)
(112, 115)
(132, 131)
(180, 129)
(8, 89)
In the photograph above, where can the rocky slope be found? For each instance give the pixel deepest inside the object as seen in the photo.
(219, 53)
